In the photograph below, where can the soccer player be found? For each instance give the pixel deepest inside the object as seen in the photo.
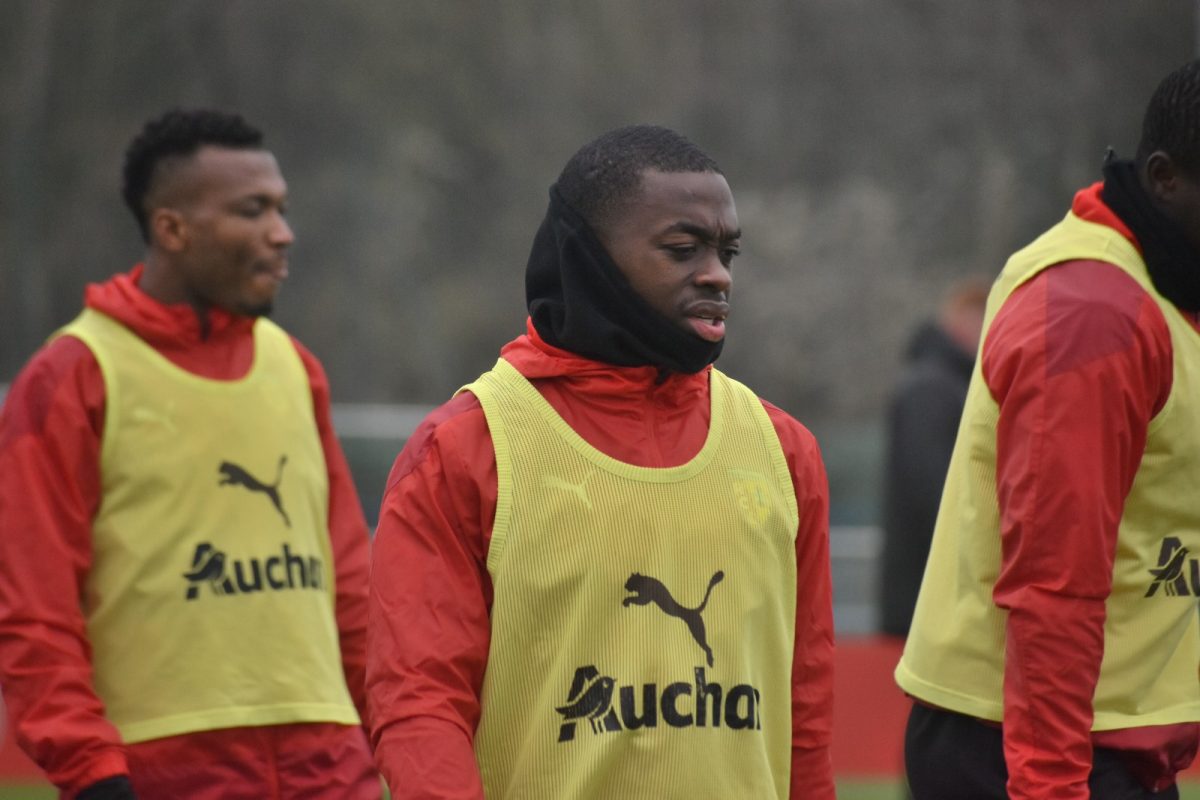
(1054, 648)
(602, 570)
(183, 557)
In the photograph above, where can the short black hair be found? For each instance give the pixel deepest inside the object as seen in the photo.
(1172, 120)
(178, 133)
(602, 174)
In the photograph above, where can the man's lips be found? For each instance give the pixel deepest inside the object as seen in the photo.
(707, 319)
(276, 270)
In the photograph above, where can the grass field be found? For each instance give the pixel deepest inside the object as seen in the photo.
(17, 791)
(889, 790)
(847, 790)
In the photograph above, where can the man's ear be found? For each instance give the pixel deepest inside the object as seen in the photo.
(168, 230)
(1161, 174)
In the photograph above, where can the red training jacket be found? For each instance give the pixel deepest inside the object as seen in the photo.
(1079, 360)
(50, 435)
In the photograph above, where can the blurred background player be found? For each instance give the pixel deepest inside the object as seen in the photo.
(922, 423)
(183, 557)
(604, 542)
(1054, 646)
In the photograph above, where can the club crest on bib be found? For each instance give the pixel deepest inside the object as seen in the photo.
(753, 497)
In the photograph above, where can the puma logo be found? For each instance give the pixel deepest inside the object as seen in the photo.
(651, 590)
(234, 475)
(578, 489)
(208, 564)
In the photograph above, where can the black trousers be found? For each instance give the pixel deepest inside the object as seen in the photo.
(949, 756)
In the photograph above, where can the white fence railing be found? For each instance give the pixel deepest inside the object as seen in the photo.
(853, 550)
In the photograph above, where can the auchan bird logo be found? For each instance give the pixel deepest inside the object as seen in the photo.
(590, 698)
(1171, 574)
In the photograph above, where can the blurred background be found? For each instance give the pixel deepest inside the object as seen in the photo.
(876, 151)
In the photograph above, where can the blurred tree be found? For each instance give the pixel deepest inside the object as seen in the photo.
(876, 150)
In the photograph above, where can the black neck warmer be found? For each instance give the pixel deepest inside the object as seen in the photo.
(580, 301)
(1170, 258)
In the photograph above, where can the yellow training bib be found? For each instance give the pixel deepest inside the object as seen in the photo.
(210, 603)
(643, 619)
(954, 656)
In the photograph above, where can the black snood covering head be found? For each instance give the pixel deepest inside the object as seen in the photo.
(580, 301)
(1171, 260)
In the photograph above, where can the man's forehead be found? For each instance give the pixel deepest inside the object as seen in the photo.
(213, 167)
(657, 185)
(670, 194)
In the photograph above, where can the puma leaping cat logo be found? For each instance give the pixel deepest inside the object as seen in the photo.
(234, 475)
(578, 489)
(651, 590)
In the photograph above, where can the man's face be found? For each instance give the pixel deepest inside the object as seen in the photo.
(1185, 208)
(1177, 193)
(234, 235)
(675, 241)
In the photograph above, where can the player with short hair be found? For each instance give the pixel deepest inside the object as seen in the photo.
(1054, 648)
(183, 558)
(602, 569)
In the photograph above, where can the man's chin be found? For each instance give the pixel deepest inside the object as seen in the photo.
(258, 310)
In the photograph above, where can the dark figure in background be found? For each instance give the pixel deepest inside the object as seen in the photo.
(602, 455)
(162, 636)
(921, 425)
(1054, 646)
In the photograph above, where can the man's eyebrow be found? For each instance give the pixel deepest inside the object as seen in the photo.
(701, 232)
(265, 198)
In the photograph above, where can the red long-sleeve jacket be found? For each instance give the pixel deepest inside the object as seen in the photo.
(431, 592)
(50, 434)
(1079, 360)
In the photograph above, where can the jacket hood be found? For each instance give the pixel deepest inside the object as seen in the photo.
(164, 326)
(537, 360)
(579, 300)
(932, 343)
(1166, 247)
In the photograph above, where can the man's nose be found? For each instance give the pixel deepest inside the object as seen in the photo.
(714, 274)
(280, 234)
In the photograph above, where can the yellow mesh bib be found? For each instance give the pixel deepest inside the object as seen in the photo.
(643, 619)
(210, 601)
(954, 657)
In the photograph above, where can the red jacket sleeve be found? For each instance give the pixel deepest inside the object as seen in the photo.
(349, 540)
(812, 661)
(429, 603)
(50, 431)
(1079, 361)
